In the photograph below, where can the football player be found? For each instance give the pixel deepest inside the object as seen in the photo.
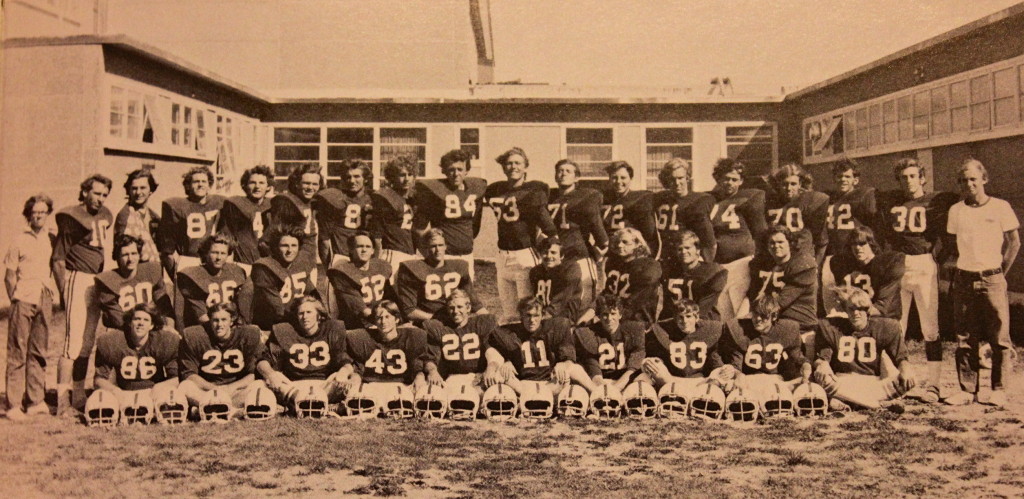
(634, 276)
(423, 285)
(359, 282)
(782, 269)
(851, 206)
(78, 256)
(914, 221)
(801, 210)
(683, 349)
(184, 222)
(738, 220)
(294, 208)
(689, 276)
(141, 358)
(340, 213)
(282, 278)
(766, 349)
(391, 224)
(679, 209)
(452, 205)
(626, 208)
(137, 218)
(576, 213)
(866, 266)
(612, 350)
(241, 218)
(857, 356)
(557, 283)
(521, 210)
(217, 280)
(133, 282)
(308, 352)
(458, 345)
(219, 354)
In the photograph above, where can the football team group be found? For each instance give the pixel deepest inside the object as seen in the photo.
(762, 297)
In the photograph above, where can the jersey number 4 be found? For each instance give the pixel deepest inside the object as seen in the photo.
(729, 217)
(454, 209)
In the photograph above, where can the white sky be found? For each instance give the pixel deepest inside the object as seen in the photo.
(684, 43)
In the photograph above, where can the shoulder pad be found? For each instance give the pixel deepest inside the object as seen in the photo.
(586, 338)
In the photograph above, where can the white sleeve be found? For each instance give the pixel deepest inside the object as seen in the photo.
(951, 218)
(1007, 218)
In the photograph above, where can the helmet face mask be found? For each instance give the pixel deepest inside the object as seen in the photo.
(431, 403)
(641, 400)
(260, 403)
(140, 411)
(741, 408)
(810, 400)
(312, 404)
(778, 402)
(401, 405)
(101, 410)
(674, 402)
(463, 403)
(708, 402)
(500, 402)
(173, 410)
(573, 402)
(536, 402)
(606, 402)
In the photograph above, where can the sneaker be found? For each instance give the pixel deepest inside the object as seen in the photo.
(38, 409)
(998, 398)
(930, 395)
(15, 414)
(836, 405)
(959, 398)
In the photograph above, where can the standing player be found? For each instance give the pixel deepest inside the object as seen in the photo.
(78, 255)
(634, 276)
(863, 264)
(451, 205)
(612, 350)
(294, 207)
(186, 221)
(391, 224)
(241, 218)
(677, 209)
(738, 220)
(520, 208)
(791, 275)
(217, 280)
(626, 208)
(803, 211)
(280, 279)
(360, 282)
(576, 213)
(341, 213)
(137, 218)
(688, 276)
(557, 283)
(131, 283)
(424, 285)
(851, 207)
(683, 349)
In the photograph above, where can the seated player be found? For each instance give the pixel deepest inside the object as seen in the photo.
(184, 222)
(341, 213)
(282, 278)
(133, 282)
(612, 350)
(424, 285)
(294, 208)
(360, 281)
(690, 276)
(878, 272)
(389, 365)
(241, 218)
(391, 224)
(307, 354)
(220, 354)
(683, 349)
(626, 208)
(634, 276)
(858, 356)
(678, 209)
(782, 269)
(137, 366)
(557, 283)
(217, 280)
(791, 203)
(452, 205)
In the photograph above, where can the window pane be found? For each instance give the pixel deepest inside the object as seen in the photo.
(471, 149)
(958, 94)
(669, 135)
(1006, 110)
(980, 116)
(890, 133)
(850, 126)
(296, 135)
(336, 153)
(922, 103)
(1005, 83)
(889, 111)
(981, 89)
(904, 105)
(283, 168)
(296, 153)
(749, 153)
(761, 133)
(875, 118)
(350, 135)
(862, 128)
(403, 135)
(469, 135)
(940, 100)
(921, 127)
(588, 135)
(961, 119)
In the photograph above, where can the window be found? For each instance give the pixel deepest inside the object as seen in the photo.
(292, 147)
(591, 148)
(347, 144)
(958, 98)
(175, 124)
(904, 108)
(469, 141)
(862, 128)
(395, 142)
(126, 111)
(225, 163)
(940, 110)
(754, 146)
(922, 114)
(1004, 103)
(850, 127)
(664, 144)
(981, 102)
(875, 121)
(890, 130)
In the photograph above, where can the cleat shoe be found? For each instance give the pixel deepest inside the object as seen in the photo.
(998, 398)
(930, 395)
(836, 405)
(959, 398)
(38, 409)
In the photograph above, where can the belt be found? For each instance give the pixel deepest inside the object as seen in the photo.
(979, 274)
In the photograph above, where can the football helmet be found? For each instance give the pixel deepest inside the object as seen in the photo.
(674, 399)
(810, 399)
(536, 401)
(708, 402)
(573, 402)
(777, 400)
(431, 402)
(216, 408)
(400, 404)
(361, 403)
(741, 406)
(311, 402)
(101, 409)
(463, 402)
(138, 408)
(260, 403)
(173, 409)
(641, 400)
(500, 402)
(606, 401)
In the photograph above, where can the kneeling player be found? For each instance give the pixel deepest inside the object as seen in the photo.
(360, 281)
(423, 285)
(857, 356)
(688, 276)
(131, 283)
(633, 275)
(136, 368)
(216, 280)
(281, 279)
(558, 283)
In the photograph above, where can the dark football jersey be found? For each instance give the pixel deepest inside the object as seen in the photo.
(358, 288)
(242, 219)
(806, 216)
(455, 212)
(308, 357)
(216, 362)
(560, 289)
(912, 226)
(535, 355)
(289, 210)
(880, 279)
(460, 349)
(848, 211)
(860, 352)
(116, 293)
(795, 282)
(634, 209)
(674, 214)
(184, 224)
(275, 287)
(778, 352)
(702, 284)
(738, 221)
(197, 289)
(692, 355)
(610, 354)
(80, 238)
(133, 368)
(392, 221)
(638, 284)
(577, 217)
(396, 361)
(520, 212)
(340, 215)
(421, 286)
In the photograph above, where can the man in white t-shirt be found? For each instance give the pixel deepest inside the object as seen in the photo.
(985, 229)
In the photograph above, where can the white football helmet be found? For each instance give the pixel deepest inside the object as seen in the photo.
(641, 400)
(463, 402)
(217, 407)
(360, 402)
(675, 401)
(138, 408)
(260, 403)
(311, 403)
(431, 402)
(401, 404)
(777, 401)
(708, 402)
(606, 402)
(500, 402)
(573, 402)
(173, 409)
(102, 409)
(536, 401)
(810, 399)
(741, 406)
